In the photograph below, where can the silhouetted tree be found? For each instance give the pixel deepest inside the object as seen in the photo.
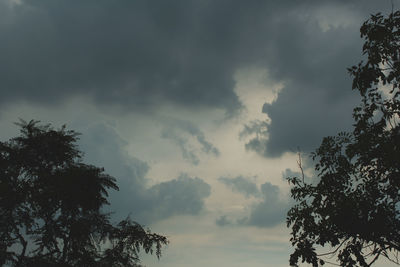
(51, 206)
(353, 206)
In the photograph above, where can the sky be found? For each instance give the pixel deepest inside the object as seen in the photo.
(198, 108)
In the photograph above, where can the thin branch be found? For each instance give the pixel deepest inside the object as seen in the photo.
(332, 252)
(299, 163)
(332, 263)
(387, 257)
(375, 258)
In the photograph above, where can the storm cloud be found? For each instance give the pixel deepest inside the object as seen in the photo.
(316, 99)
(138, 54)
(310, 54)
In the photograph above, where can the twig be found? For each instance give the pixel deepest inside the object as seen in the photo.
(300, 166)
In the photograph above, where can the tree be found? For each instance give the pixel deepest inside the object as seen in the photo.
(51, 206)
(353, 206)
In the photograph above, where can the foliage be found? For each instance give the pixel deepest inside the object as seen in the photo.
(51, 206)
(354, 206)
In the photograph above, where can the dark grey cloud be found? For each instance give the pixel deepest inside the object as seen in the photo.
(133, 53)
(178, 132)
(270, 211)
(241, 185)
(316, 99)
(181, 196)
(139, 54)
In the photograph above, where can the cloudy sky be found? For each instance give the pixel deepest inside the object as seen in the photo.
(197, 107)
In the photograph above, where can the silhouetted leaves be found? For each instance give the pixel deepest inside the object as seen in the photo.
(354, 206)
(51, 206)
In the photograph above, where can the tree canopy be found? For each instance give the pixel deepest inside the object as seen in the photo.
(353, 206)
(51, 206)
